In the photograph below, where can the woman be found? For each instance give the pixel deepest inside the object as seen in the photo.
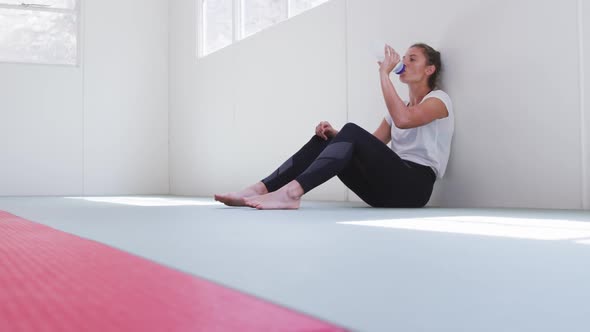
(420, 131)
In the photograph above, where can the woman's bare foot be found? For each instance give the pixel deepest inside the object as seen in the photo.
(237, 198)
(288, 197)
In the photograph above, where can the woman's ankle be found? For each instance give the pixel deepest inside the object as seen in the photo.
(294, 190)
(260, 188)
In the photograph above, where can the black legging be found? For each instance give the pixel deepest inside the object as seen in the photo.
(363, 163)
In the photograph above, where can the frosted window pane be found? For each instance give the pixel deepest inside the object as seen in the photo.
(64, 4)
(299, 6)
(39, 37)
(260, 14)
(218, 19)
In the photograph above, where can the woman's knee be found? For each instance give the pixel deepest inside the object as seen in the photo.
(352, 130)
(351, 126)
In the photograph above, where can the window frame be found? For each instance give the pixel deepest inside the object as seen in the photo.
(237, 32)
(238, 27)
(31, 6)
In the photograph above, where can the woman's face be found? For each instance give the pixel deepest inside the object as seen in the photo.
(417, 69)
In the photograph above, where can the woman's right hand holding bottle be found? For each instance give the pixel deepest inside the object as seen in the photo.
(392, 61)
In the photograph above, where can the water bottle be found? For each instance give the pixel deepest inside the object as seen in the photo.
(399, 68)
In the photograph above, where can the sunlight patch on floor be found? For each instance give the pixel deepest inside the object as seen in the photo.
(524, 228)
(149, 201)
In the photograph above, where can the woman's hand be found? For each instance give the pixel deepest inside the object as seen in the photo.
(390, 60)
(325, 130)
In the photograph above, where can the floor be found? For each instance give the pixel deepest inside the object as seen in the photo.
(363, 268)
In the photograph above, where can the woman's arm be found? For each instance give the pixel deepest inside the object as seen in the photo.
(405, 117)
(383, 133)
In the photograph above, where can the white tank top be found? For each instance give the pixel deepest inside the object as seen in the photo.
(430, 144)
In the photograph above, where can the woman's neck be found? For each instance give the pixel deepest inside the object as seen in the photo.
(417, 93)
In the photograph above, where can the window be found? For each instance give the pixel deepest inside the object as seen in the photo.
(218, 24)
(222, 22)
(39, 31)
(261, 14)
(299, 6)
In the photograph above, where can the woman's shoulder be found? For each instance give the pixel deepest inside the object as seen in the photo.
(438, 94)
(443, 96)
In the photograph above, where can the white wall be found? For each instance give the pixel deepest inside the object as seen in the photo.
(585, 91)
(41, 145)
(512, 69)
(126, 97)
(100, 128)
(239, 113)
(514, 74)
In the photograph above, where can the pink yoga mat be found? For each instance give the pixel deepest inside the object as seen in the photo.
(54, 281)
